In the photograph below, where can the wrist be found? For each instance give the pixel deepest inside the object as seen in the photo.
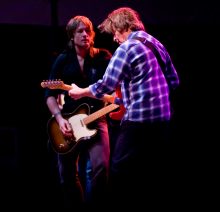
(56, 114)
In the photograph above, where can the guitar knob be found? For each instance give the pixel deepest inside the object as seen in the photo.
(61, 146)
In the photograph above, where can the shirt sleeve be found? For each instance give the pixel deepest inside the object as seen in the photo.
(115, 72)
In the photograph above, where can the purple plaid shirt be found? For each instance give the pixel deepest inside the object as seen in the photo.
(144, 86)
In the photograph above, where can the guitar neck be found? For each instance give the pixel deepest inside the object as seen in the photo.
(66, 87)
(99, 113)
(57, 84)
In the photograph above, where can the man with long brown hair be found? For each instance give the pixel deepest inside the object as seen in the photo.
(83, 172)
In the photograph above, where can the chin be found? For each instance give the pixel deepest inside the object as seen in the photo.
(86, 46)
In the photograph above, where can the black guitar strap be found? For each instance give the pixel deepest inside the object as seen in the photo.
(160, 61)
(153, 49)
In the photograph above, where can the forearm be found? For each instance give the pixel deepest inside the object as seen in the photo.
(87, 92)
(53, 106)
(77, 93)
(105, 98)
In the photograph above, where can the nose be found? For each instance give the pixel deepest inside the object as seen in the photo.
(85, 32)
(115, 39)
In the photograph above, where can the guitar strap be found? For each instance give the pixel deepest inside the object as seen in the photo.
(154, 50)
(161, 63)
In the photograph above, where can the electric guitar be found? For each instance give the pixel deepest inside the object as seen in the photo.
(79, 119)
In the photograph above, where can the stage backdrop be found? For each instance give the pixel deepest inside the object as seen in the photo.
(43, 12)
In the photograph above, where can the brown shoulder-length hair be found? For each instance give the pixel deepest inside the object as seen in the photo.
(122, 19)
(73, 24)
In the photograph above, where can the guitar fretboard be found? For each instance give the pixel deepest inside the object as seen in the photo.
(100, 113)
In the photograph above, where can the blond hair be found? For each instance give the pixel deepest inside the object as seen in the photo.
(122, 19)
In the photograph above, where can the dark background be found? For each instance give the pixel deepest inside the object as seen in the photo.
(32, 34)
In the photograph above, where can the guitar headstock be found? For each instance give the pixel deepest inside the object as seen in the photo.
(52, 84)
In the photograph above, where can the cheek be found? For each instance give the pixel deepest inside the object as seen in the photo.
(124, 37)
(121, 38)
